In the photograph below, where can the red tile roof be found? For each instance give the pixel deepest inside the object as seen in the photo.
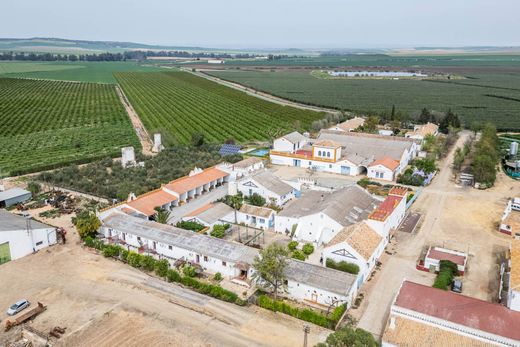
(147, 202)
(305, 152)
(187, 183)
(386, 208)
(440, 255)
(398, 191)
(387, 162)
(460, 309)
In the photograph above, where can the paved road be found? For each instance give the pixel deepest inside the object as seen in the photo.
(178, 212)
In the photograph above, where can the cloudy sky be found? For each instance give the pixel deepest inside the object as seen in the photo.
(269, 23)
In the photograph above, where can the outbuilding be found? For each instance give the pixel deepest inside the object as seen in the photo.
(14, 196)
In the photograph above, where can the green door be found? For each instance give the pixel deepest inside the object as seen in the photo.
(5, 253)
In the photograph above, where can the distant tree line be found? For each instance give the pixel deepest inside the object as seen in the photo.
(140, 55)
(21, 56)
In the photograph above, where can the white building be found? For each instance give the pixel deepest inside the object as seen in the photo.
(387, 217)
(436, 254)
(256, 217)
(318, 285)
(212, 214)
(510, 223)
(268, 186)
(421, 131)
(243, 168)
(349, 125)
(358, 244)
(346, 153)
(20, 236)
(318, 216)
(513, 295)
(425, 316)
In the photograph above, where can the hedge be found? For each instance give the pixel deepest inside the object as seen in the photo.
(447, 271)
(305, 314)
(342, 266)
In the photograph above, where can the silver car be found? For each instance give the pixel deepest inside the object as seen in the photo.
(19, 306)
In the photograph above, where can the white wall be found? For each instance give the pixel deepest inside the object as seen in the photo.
(284, 224)
(373, 171)
(21, 243)
(283, 145)
(317, 228)
(317, 164)
(301, 292)
(383, 228)
(513, 300)
(261, 222)
(248, 190)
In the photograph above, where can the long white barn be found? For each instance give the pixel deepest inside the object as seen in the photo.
(346, 153)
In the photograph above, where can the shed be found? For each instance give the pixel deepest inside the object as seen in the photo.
(14, 196)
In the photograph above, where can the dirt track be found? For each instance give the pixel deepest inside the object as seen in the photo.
(106, 303)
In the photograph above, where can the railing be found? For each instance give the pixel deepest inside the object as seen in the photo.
(301, 156)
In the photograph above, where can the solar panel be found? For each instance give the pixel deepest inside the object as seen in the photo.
(229, 149)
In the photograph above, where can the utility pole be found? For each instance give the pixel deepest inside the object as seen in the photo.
(306, 331)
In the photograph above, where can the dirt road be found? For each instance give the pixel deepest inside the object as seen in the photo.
(262, 95)
(455, 217)
(106, 303)
(142, 134)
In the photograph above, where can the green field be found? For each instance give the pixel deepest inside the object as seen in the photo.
(45, 124)
(179, 104)
(487, 94)
(100, 72)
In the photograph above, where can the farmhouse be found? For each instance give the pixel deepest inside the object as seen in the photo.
(165, 241)
(244, 167)
(256, 217)
(268, 186)
(349, 125)
(421, 131)
(426, 316)
(513, 295)
(175, 193)
(388, 215)
(436, 254)
(359, 244)
(318, 216)
(347, 153)
(212, 214)
(20, 236)
(318, 285)
(13, 196)
(510, 223)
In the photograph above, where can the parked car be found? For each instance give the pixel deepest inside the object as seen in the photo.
(456, 286)
(19, 306)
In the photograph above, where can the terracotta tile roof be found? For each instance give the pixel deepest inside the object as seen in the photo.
(438, 254)
(359, 236)
(398, 191)
(386, 208)
(407, 332)
(351, 124)
(244, 164)
(459, 309)
(515, 265)
(256, 210)
(387, 162)
(327, 143)
(187, 183)
(147, 202)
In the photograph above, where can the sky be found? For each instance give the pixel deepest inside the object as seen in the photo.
(269, 23)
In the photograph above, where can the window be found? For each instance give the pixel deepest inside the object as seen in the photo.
(138, 238)
(124, 236)
(330, 166)
(205, 258)
(170, 247)
(224, 263)
(310, 163)
(262, 220)
(328, 154)
(39, 243)
(319, 153)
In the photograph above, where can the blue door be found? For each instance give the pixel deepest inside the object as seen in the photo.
(345, 170)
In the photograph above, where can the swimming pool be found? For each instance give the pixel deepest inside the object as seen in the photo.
(261, 152)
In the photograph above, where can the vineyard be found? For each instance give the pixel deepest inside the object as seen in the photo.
(179, 104)
(487, 94)
(45, 124)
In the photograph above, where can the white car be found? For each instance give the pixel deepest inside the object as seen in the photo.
(19, 306)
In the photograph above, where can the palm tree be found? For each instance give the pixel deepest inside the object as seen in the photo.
(162, 215)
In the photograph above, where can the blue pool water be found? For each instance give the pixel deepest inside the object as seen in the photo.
(262, 152)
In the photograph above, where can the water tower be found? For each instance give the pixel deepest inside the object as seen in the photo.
(157, 145)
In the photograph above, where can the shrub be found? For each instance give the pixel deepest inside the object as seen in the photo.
(308, 249)
(218, 277)
(124, 255)
(134, 259)
(193, 226)
(89, 241)
(297, 254)
(292, 245)
(338, 312)
(147, 262)
(189, 271)
(447, 271)
(161, 267)
(173, 276)
(256, 200)
(342, 266)
(218, 231)
(111, 251)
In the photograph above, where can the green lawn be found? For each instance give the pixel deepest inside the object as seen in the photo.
(100, 72)
(45, 124)
(487, 94)
(178, 104)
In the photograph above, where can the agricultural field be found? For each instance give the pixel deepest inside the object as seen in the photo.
(98, 72)
(179, 104)
(485, 94)
(45, 124)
